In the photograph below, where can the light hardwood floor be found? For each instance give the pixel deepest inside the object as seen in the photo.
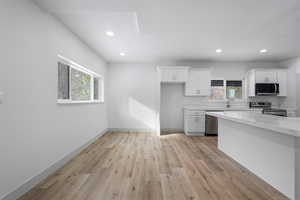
(139, 166)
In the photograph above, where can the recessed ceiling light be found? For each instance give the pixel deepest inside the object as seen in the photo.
(263, 51)
(122, 54)
(219, 50)
(110, 33)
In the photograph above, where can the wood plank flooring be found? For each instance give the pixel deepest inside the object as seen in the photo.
(141, 166)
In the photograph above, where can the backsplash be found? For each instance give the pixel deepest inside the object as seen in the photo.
(276, 101)
(175, 92)
(203, 101)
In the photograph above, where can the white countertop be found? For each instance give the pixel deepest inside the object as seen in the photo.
(285, 125)
(232, 108)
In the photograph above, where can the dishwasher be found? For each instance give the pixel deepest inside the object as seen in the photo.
(211, 124)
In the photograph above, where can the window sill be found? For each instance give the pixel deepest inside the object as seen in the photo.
(78, 102)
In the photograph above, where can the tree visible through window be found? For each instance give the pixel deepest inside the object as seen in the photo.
(80, 86)
(230, 89)
(63, 81)
(77, 84)
(217, 90)
(96, 88)
(234, 89)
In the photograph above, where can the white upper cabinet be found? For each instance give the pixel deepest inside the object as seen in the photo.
(198, 83)
(282, 80)
(266, 76)
(250, 83)
(173, 74)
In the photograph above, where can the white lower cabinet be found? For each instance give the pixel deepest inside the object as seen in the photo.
(194, 122)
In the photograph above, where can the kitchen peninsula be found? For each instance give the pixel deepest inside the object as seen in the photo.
(269, 146)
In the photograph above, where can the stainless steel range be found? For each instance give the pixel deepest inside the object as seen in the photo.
(267, 108)
(277, 112)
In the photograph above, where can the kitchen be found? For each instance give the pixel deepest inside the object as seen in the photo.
(203, 102)
(193, 99)
(187, 98)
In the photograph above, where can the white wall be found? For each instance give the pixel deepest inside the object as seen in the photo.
(231, 70)
(292, 65)
(297, 162)
(298, 94)
(133, 97)
(140, 82)
(35, 131)
(296, 64)
(171, 110)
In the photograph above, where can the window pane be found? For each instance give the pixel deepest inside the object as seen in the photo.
(217, 90)
(234, 90)
(80, 86)
(217, 93)
(63, 81)
(96, 89)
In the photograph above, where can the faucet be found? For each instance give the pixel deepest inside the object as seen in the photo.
(228, 104)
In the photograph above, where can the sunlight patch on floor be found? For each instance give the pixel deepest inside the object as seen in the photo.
(143, 113)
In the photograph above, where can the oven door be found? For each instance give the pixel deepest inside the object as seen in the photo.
(266, 89)
(277, 112)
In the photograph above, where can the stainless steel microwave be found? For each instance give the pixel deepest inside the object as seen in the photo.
(266, 89)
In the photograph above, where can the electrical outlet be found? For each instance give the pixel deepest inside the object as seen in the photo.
(1, 97)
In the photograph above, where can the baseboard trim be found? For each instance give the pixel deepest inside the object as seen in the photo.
(32, 182)
(130, 130)
(172, 130)
(195, 134)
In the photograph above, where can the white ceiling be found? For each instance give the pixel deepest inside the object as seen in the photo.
(180, 30)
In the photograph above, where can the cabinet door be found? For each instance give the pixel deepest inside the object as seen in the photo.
(173, 74)
(196, 124)
(250, 82)
(165, 75)
(179, 75)
(282, 80)
(266, 76)
(198, 83)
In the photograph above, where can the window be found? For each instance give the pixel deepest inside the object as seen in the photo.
(77, 84)
(229, 89)
(217, 90)
(234, 90)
